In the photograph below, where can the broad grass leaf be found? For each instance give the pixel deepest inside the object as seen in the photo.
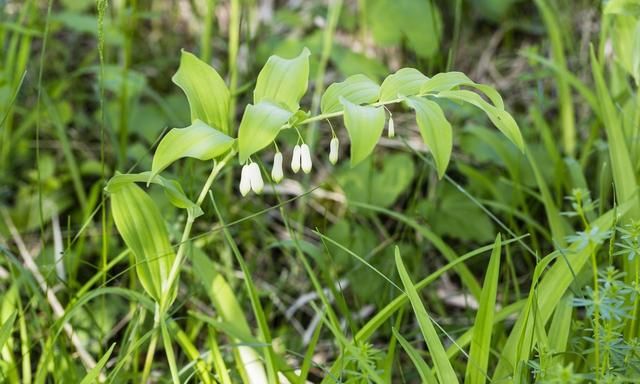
(423, 369)
(365, 125)
(199, 141)
(207, 93)
(549, 291)
(260, 125)
(283, 81)
(499, 117)
(7, 327)
(172, 189)
(358, 89)
(443, 367)
(143, 230)
(93, 374)
(405, 82)
(435, 130)
(621, 165)
(483, 326)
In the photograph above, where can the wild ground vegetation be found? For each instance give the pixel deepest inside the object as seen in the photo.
(281, 191)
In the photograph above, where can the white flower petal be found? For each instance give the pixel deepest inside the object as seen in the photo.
(391, 129)
(305, 158)
(245, 180)
(257, 185)
(295, 159)
(333, 150)
(276, 172)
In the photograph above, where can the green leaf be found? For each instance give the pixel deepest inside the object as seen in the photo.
(499, 117)
(358, 89)
(7, 327)
(405, 82)
(621, 164)
(451, 214)
(172, 189)
(447, 81)
(444, 370)
(283, 81)
(260, 125)
(483, 326)
(199, 141)
(207, 93)
(365, 125)
(93, 374)
(423, 369)
(393, 22)
(142, 228)
(435, 131)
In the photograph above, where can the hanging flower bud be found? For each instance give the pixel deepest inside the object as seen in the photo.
(305, 158)
(256, 178)
(333, 150)
(276, 172)
(295, 160)
(391, 129)
(245, 180)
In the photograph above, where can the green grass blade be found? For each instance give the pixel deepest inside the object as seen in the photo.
(93, 374)
(560, 327)
(481, 343)
(6, 329)
(444, 370)
(423, 369)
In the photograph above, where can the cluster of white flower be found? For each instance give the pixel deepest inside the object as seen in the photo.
(251, 178)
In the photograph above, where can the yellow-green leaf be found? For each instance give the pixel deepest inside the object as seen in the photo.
(449, 80)
(358, 89)
(435, 130)
(207, 93)
(142, 228)
(405, 82)
(283, 81)
(199, 141)
(365, 125)
(259, 127)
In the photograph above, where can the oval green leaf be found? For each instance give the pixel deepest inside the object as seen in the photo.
(259, 127)
(207, 93)
(198, 140)
(365, 125)
(283, 81)
(405, 82)
(172, 189)
(449, 80)
(143, 230)
(435, 131)
(358, 89)
(499, 117)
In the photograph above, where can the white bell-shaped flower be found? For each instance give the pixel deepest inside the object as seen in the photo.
(333, 150)
(295, 159)
(391, 128)
(245, 180)
(257, 185)
(276, 171)
(305, 158)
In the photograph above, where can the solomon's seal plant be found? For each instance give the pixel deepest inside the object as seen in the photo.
(280, 85)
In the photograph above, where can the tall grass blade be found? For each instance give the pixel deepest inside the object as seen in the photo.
(444, 370)
(477, 367)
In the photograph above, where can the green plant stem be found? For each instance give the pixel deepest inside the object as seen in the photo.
(325, 116)
(175, 268)
(234, 42)
(596, 314)
(148, 361)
